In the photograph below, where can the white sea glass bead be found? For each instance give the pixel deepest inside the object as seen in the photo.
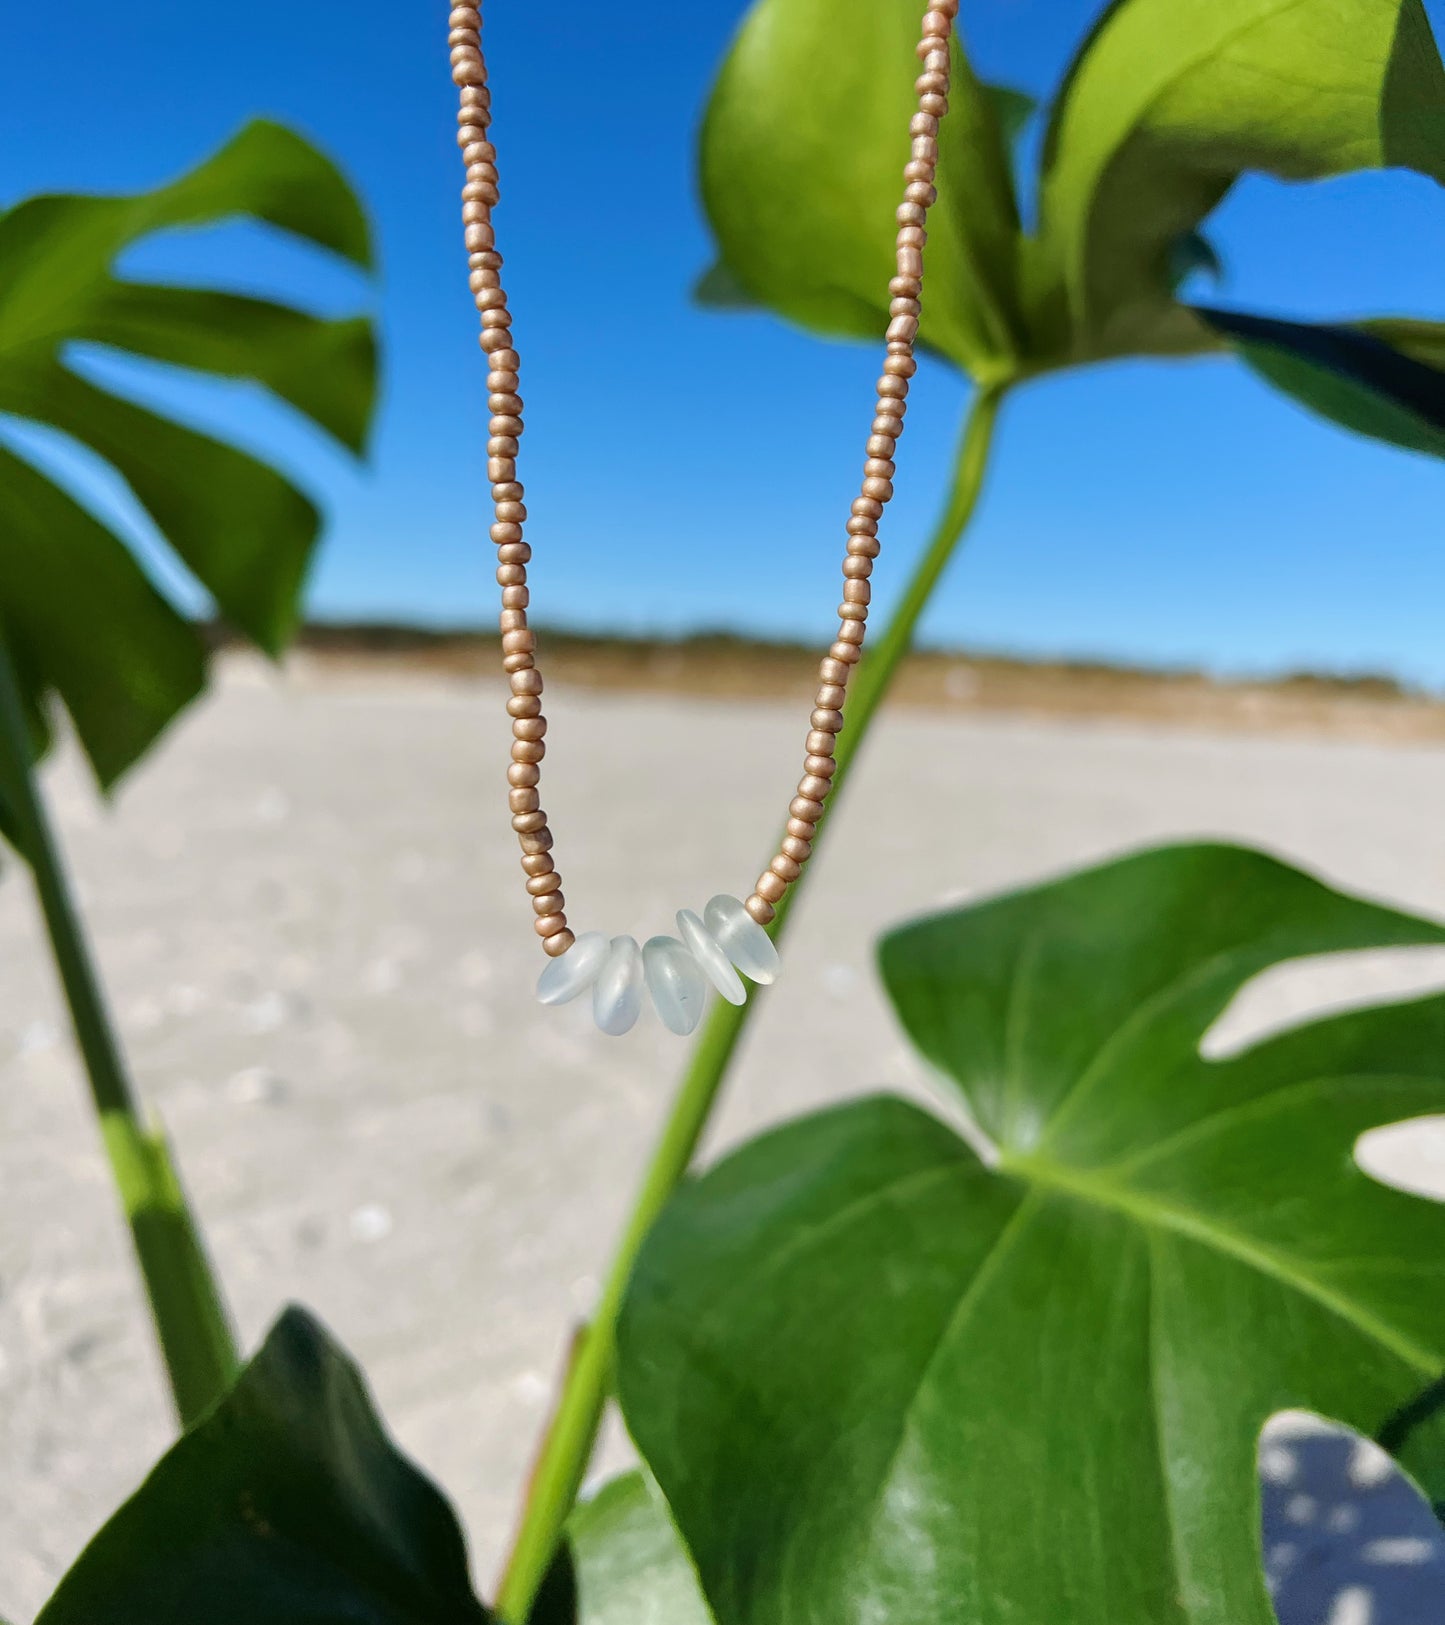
(742, 939)
(617, 992)
(676, 982)
(575, 971)
(707, 951)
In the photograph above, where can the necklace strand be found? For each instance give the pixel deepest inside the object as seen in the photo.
(730, 936)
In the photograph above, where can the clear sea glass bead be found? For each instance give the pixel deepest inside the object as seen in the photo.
(676, 982)
(742, 939)
(707, 951)
(575, 971)
(617, 992)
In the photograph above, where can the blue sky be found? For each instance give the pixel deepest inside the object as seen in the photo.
(1144, 512)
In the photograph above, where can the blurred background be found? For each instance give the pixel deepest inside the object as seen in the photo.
(1187, 608)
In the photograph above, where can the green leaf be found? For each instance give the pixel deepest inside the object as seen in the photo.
(1351, 374)
(288, 1504)
(629, 1565)
(880, 1376)
(1190, 253)
(1416, 1434)
(1168, 104)
(80, 616)
(1012, 109)
(802, 156)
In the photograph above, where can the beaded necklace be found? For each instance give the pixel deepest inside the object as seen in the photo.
(729, 937)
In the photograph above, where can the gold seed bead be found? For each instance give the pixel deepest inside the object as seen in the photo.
(526, 823)
(857, 565)
(534, 845)
(819, 742)
(806, 809)
(760, 909)
(526, 682)
(518, 662)
(522, 801)
(827, 720)
(832, 671)
(524, 705)
(528, 750)
(770, 888)
(518, 640)
(831, 695)
(524, 775)
(852, 631)
(855, 592)
(863, 547)
(785, 868)
(550, 924)
(813, 787)
(802, 829)
(531, 729)
(552, 902)
(540, 885)
(820, 767)
(555, 946)
(514, 553)
(511, 620)
(795, 848)
(538, 863)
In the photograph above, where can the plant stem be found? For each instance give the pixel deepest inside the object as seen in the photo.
(567, 1446)
(191, 1323)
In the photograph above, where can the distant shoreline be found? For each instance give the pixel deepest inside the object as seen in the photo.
(733, 667)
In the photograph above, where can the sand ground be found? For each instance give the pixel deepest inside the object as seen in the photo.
(307, 911)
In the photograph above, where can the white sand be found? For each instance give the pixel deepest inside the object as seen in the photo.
(308, 914)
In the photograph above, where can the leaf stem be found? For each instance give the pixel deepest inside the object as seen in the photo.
(191, 1323)
(567, 1446)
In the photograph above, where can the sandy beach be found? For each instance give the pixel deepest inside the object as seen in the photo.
(307, 911)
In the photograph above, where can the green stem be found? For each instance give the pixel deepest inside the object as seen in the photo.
(567, 1446)
(191, 1323)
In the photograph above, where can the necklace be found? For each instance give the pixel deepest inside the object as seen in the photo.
(729, 937)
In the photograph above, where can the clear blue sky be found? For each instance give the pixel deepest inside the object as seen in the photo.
(1145, 512)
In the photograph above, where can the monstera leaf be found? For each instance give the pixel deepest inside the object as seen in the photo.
(1167, 104)
(801, 173)
(288, 1504)
(1172, 100)
(1379, 378)
(624, 1563)
(882, 1373)
(79, 616)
